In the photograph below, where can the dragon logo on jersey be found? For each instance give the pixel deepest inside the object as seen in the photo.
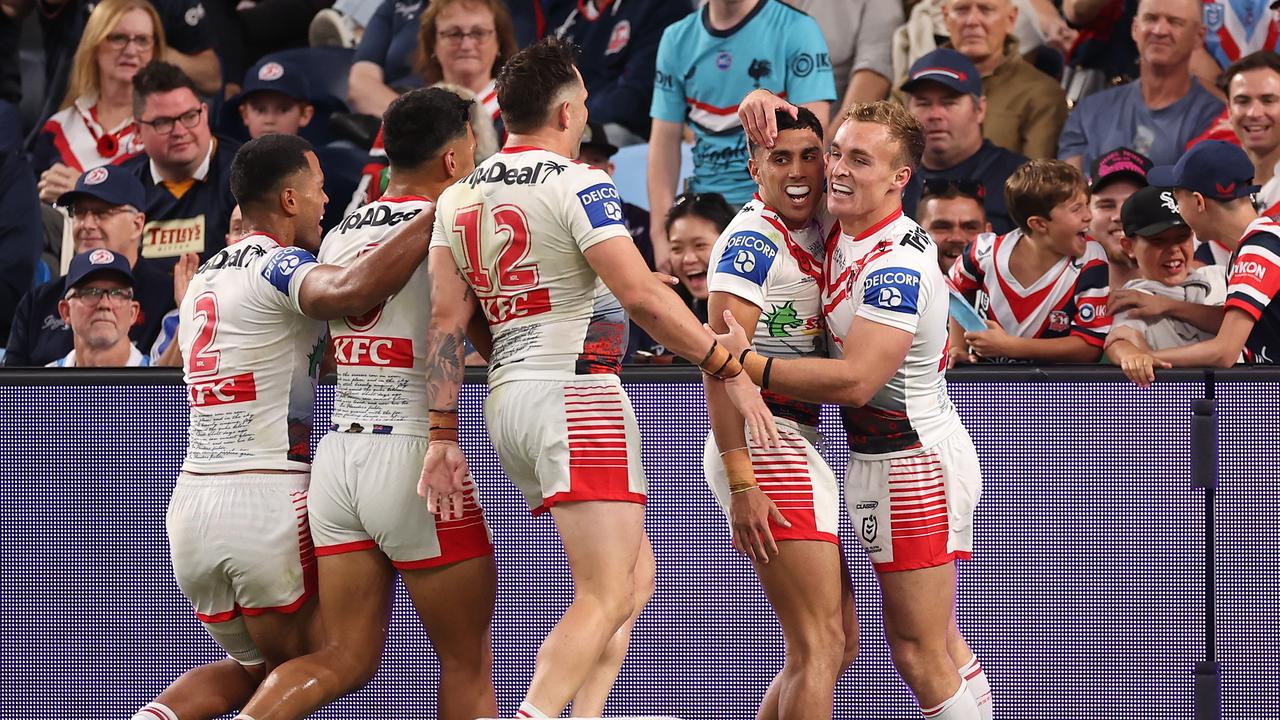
(782, 319)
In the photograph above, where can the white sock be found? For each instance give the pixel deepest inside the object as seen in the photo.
(154, 711)
(527, 710)
(242, 716)
(979, 688)
(960, 706)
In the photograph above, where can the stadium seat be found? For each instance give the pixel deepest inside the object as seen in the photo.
(342, 163)
(631, 172)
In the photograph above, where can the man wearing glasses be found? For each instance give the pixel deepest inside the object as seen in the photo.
(105, 214)
(99, 307)
(184, 168)
(944, 92)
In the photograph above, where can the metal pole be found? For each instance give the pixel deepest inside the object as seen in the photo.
(1204, 475)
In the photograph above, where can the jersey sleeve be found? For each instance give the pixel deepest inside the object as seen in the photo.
(439, 238)
(809, 74)
(285, 271)
(1254, 279)
(593, 209)
(668, 80)
(894, 291)
(1091, 321)
(744, 259)
(966, 274)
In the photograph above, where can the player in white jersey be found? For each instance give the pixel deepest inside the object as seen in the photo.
(783, 503)
(367, 520)
(237, 520)
(537, 241)
(913, 478)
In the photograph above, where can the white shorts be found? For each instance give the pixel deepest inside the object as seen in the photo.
(916, 512)
(794, 477)
(364, 495)
(240, 545)
(567, 440)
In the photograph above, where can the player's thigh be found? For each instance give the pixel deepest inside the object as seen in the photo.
(918, 604)
(602, 540)
(455, 603)
(283, 636)
(803, 583)
(794, 476)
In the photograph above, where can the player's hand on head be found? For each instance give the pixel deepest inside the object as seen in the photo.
(1141, 368)
(749, 515)
(445, 480)
(756, 112)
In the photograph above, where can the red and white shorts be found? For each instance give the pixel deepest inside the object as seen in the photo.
(240, 545)
(364, 495)
(567, 440)
(794, 476)
(916, 512)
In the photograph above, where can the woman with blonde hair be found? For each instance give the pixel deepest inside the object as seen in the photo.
(95, 125)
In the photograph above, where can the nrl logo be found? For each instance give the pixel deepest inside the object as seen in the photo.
(869, 528)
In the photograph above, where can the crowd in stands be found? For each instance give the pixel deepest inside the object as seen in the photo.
(1053, 130)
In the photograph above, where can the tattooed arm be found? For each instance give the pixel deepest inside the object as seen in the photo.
(444, 470)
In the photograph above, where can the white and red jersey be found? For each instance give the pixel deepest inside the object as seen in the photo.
(779, 270)
(889, 274)
(1253, 284)
(81, 141)
(1069, 299)
(381, 355)
(1235, 28)
(251, 359)
(518, 227)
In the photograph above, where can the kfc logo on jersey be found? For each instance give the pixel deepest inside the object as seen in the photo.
(373, 351)
(603, 204)
(1059, 321)
(223, 391)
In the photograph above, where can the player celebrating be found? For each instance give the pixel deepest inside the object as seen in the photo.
(540, 241)
(237, 520)
(783, 503)
(913, 478)
(366, 518)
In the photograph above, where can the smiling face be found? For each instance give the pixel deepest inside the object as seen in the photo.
(692, 238)
(1165, 256)
(1167, 31)
(1105, 206)
(308, 189)
(790, 175)
(1067, 226)
(96, 224)
(1253, 104)
(865, 174)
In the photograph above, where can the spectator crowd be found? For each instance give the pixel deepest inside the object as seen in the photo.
(1097, 174)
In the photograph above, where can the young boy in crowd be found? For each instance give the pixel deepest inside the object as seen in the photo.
(275, 98)
(1043, 286)
(1169, 304)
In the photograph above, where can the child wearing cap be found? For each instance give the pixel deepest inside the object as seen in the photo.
(1042, 287)
(1213, 185)
(275, 99)
(1169, 304)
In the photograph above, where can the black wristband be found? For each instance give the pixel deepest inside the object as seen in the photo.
(764, 378)
(710, 352)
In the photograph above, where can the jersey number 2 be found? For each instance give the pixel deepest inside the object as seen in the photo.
(204, 358)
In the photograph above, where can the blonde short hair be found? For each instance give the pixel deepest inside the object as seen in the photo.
(903, 127)
(85, 78)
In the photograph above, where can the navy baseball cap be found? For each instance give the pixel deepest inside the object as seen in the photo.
(97, 261)
(1150, 211)
(593, 135)
(1118, 164)
(1217, 170)
(110, 184)
(285, 78)
(947, 67)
